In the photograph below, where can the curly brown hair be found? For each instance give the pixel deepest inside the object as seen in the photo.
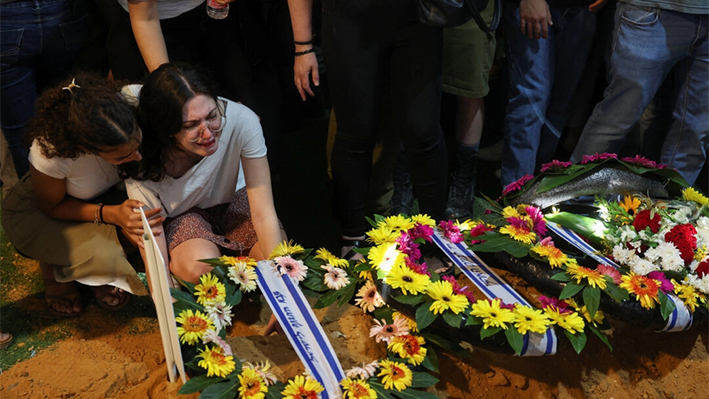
(89, 115)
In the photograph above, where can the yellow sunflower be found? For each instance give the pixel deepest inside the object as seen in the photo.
(192, 326)
(443, 298)
(209, 289)
(395, 375)
(492, 314)
(302, 388)
(215, 362)
(409, 347)
(529, 319)
(630, 204)
(690, 194)
(252, 386)
(407, 280)
(357, 389)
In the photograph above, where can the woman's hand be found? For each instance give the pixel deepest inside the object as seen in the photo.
(534, 18)
(304, 67)
(127, 217)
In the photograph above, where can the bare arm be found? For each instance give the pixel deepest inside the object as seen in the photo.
(263, 212)
(305, 65)
(145, 20)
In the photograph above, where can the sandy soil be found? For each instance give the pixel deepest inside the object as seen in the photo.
(110, 358)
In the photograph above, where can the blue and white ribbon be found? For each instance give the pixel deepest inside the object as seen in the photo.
(681, 317)
(302, 328)
(493, 286)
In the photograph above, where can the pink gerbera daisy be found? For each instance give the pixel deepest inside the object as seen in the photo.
(292, 267)
(385, 332)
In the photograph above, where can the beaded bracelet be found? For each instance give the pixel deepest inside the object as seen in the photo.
(97, 214)
(308, 51)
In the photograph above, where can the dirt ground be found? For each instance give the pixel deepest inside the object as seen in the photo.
(106, 355)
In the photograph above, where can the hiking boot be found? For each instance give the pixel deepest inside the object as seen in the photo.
(461, 192)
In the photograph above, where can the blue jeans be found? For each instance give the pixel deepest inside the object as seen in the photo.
(40, 39)
(543, 76)
(650, 43)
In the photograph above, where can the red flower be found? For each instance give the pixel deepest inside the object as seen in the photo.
(477, 231)
(683, 236)
(702, 269)
(643, 220)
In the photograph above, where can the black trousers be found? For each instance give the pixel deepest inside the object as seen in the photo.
(369, 46)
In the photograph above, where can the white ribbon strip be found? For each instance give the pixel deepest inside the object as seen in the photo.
(157, 273)
(681, 317)
(493, 286)
(302, 328)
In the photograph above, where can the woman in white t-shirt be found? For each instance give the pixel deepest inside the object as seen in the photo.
(194, 146)
(66, 212)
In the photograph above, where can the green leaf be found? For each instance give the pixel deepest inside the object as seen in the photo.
(414, 394)
(327, 299)
(197, 384)
(591, 298)
(578, 340)
(423, 380)
(379, 389)
(221, 390)
(409, 299)
(495, 242)
(515, 339)
(315, 283)
(431, 360)
(570, 290)
(447, 344)
(184, 300)
(453, 320)
(666, 305)
(583, 225)
(600, 336)
(615, 292)
(486, 332)
(424, 317)
(474, 321)
(561, 276)
(234, 298)
(347, 292)
(371, 222)
(274, 391)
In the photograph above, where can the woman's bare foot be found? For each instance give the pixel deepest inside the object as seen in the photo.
(63, 299)
(111, 298)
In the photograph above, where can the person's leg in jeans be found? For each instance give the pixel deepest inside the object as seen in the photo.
(687, 142)
(531, 65)
(416, 97)
(573, 36)
(354, 54)
(640, 62)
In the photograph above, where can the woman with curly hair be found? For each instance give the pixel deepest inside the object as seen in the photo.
(66, 212)
(195, 147)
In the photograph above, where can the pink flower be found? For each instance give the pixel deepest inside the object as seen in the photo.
(385, 332)
(417, 268)
(598, 157)
(477, 231)
(516, 185)
(555, 164)
(451, 231)
(611, 272)
(665, 284)
(458, 290)
(421, 231)
(408, 246)
(554, 303)
(642, 161)
(294, 268)
(539, 224)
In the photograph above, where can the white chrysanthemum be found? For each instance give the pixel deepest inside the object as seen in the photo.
(702, 284)
(668, 256)
(628, 234)
(703, 222)
(702, 236)
(335, 278)
(641, 266)
(622, 254)
(220, 313)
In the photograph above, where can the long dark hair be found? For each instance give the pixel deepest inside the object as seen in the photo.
(85, 113)
(162, 99)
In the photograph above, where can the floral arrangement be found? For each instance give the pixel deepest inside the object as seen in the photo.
(204, 311)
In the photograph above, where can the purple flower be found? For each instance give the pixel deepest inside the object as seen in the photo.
(598, 157)
(642, 161)
(516, 185)
(665, 284)
(408, 246)
(421, 231)
(555, 164)
(451, 231)
(539, 224)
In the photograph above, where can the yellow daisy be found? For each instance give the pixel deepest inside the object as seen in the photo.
(519, 234)
(328, 257)
(492, 314)
(397, 223)
(423, 219)
(529, 319)
(214, 361)
(509, 212)
(552, 254)
(443, 298)
(571, 322)
(583, 310)
(395, 375)
(357, 389)
(209, 289)
(385, 256)
(630, 204)
(286, 248)
(302, 388)
(192, 326)
(409, 347)
(238, 260)
(688, 294)
(594, 278)
(690, 194)
(382, 235)
(252, 386)
(411, 323)
(407, 280)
